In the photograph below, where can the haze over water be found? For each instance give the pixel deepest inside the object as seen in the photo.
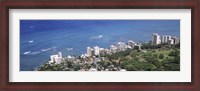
(41, 38)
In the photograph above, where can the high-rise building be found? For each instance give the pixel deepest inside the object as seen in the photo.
(121, 46)
(169, 38)
(171, 42)
(60, 54)
(107, 51)
(101, 51)
(176, 40)
(96, 50)
(166, 39)
(113, 48)
(156, 39)
(56, 58)
(52, 58)
(89, 51)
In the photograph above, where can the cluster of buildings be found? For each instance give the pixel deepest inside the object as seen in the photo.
(96, 51)
(156, 39)
(119, 46)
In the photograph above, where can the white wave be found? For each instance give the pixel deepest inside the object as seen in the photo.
(46, 49)
(69, 49)
(31, 41)
(33, 53)
(97, 37)
(27, 52)
(53, 48)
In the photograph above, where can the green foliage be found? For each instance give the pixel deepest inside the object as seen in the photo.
(76, 67)
(123, 59)
(120, 54)
(87, 66)
(115, 64)
(177, 45)
(161, 56)
(104, 64)
(137, 66)
(174, 53)
(152, 57)
(172, 67)
(69, 64)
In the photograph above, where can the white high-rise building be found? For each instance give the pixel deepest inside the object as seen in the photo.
(156, 39)
(121, 46)
(176, 40)
(169, 38)
(60, 54)
(89, 51)
(56, 58)
(52, 57)
(101, 51)
(107, 51)
(164, 39)
(113, 48)
(96, 50)
(171, 42)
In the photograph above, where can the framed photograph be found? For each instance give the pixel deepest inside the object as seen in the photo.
(100, 45)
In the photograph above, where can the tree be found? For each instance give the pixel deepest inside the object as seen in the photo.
(69, 64)
(115, 63)
(76, 67)
(87, 66)
(174, 53)
(148, 67)
(172, 67)
(161, 56)
(177, 45)
(104, 64)
(130, 68)
(177, 60)
(123, 59)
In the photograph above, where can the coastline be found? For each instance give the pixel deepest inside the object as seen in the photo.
(95, 64)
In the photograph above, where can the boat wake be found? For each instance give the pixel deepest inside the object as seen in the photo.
(31, 41)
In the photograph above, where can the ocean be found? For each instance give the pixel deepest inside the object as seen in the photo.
(41, 38)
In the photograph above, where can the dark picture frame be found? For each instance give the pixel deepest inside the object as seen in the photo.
(103, 4)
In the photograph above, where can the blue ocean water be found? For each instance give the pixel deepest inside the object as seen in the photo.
(41, 38)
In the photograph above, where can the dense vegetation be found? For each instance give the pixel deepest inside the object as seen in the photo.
(153, 59)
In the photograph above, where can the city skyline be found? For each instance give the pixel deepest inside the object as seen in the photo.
(120, 46)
